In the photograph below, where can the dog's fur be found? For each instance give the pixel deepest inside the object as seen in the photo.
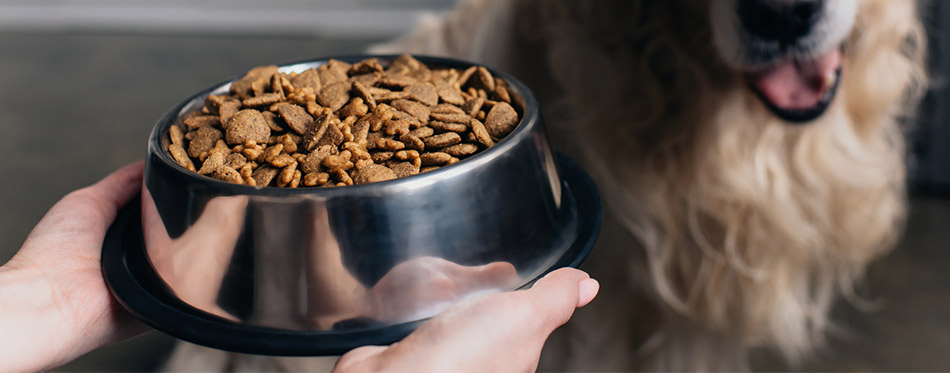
(726, 229)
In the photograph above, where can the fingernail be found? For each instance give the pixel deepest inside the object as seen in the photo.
(586, 291)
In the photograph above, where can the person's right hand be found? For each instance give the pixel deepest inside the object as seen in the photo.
(492, 332)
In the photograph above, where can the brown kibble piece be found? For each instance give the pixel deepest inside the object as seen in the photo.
(333, 71)
(210, 164)
(448, 127)
(202, 121)
(372, 174)
(422, 132)
(312, 179)
(396, 81)
(363, 92)
(243, 88)
(461, 150)
(228, 174)
(253, 153)
(413, 142)
(315, 159)
(263, 100)
(334, 95)
(389, 144)
(404, 155)
(501, 119)
(332, 136)
(442, 140)
(450, 94)
(204, 140)
(286, 175)
(396, 127)
(481, 133)
(473, 106)
(235, 160)
(316, 132)
(354, 107)
(227, 110)
(296, 117)
(247, 124)
(272, 121)
(176, 136)
(263, 175)
(425, 93)
(368, 65)
(485, 79)
(308, 78)
(295, 182)
(501, 91)
(181, 157)
(344, 178)
(381, 156)
(446, 109)
(451, 118)
(403, 169)
(417, 110)
(283, 160)
(433, 159)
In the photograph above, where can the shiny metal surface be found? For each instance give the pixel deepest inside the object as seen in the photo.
(358, 257)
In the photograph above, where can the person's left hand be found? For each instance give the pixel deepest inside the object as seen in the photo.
(488, 333)
(54, 303)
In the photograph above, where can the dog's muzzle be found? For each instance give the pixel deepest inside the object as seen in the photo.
(788, 50)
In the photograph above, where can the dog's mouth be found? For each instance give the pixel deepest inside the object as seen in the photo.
(798, 90)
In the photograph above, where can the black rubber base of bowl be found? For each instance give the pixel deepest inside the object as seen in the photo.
(141, 291)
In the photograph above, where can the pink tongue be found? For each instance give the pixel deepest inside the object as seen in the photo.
(798, 84)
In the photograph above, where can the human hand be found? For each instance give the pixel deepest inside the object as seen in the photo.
(492, 332)
(54, 303)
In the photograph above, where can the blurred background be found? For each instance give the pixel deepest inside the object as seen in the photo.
(83, 81)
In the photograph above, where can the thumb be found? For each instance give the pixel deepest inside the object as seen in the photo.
(118, 187)
(99, 203)
(82, 217)
(494, 332)
(562, 291)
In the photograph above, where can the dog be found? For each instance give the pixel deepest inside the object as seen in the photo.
(750, 156)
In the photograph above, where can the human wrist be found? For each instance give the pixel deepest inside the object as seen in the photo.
(34, 336)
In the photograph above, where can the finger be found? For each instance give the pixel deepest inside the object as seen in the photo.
(98, 204)
(500, 331)
(562, 291)
(362, 359)
(81, 218)
(119, 187)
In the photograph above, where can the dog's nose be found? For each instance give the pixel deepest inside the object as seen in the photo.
(782, 21)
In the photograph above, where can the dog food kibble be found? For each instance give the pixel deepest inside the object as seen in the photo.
(343, 124)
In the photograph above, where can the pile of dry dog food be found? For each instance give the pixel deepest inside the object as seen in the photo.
(343, 124)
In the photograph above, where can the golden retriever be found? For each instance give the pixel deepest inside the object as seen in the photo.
(749, 152)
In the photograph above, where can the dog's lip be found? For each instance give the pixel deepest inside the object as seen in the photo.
(798, 90)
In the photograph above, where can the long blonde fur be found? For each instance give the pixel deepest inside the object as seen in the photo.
(736, 230)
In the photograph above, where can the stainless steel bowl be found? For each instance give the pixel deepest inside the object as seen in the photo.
(321, 270)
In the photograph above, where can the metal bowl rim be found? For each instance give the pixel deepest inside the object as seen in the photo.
(529, 121)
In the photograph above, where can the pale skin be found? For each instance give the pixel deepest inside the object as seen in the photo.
(55, 307)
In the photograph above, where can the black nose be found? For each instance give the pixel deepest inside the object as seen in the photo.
(783, 22)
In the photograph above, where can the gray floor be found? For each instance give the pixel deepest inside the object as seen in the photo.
(74, 107)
